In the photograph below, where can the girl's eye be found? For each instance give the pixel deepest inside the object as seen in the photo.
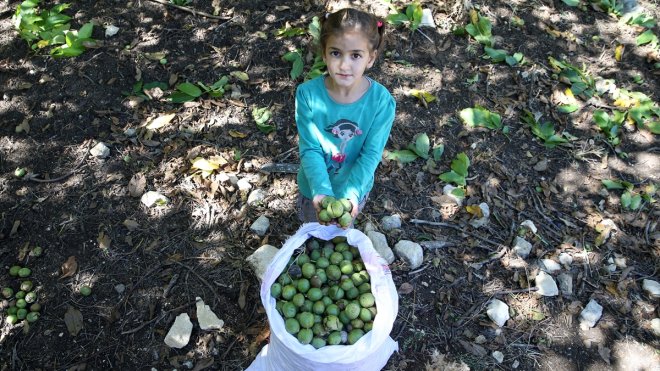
(334, 53)
(357, 56)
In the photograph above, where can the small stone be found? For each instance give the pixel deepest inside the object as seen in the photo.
(565, 259)
(100, 150)
(179, 334)
(655, 326)
(515, 364)
(120, 288)
(244, 185)
(260, 226)
(256, 197)
(427, 19)
(111, 30)
(498, 312)
(546, 285)
(391, 222)
(410, 252)
(188, 364)
(541, 165)
(368, 226)
(206, 318)
(620, 262)
(591, 314)
(379, 241)
(565, 284)
(260, 259)
(480, 339)
(152, 198)
(521, 247)
(499, 357)
(550, 265)
(652, 288)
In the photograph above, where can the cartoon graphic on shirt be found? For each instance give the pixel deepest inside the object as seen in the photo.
(344, 130)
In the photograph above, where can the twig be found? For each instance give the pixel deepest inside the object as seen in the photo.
(461, 229)
(507, 292)
(201, 279)
(33, 177)
(423, 34)
(154, 319)
(170, 285)
(191, 11)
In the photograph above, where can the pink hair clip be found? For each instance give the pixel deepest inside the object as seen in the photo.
(379, 24)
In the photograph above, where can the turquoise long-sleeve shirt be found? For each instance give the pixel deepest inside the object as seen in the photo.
(341, 144)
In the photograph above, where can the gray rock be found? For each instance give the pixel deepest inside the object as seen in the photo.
(498, 312)
(652, 288)
(566, 259)
(260, 259)
(368, 227)
(410, 252)
(120, 288)
(380, 245)
(546, 285)
(499, 356)
(256, 197)
(100, 150)
(655, 326)
(591, 314)
(521, 247)
(391, 222)
(206, 318)
(243, 185)
(565, 284)
(179, 334)
(550, 265)
(260, 226)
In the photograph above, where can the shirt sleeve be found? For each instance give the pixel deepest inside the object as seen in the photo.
(312, 160)
(362, 173)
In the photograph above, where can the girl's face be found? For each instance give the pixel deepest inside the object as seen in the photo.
(347, 56)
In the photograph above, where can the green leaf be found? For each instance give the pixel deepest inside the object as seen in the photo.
(261, 116)
(496, 55)
(181, 97)
(189, 89)
(403, 156)
(612, 184)
(510, 60)
(458, 192)
(635, 202)
(71, 51)
(422, 145)
(85, 31)
(571, 2)
(461, 164)
(647, 37)
(568, 108)
(438, 151)
(626, 199)
(452, 177)
(298, 64)
(396, 19)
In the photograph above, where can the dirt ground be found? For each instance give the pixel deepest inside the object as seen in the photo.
(146, 265)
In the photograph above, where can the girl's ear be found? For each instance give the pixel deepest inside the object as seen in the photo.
(372, 58)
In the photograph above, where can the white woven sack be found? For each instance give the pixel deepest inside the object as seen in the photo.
(371, 352)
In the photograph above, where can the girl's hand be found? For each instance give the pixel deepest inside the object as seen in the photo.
(316, 201)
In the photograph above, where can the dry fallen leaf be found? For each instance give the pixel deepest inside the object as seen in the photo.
(160, 121)
(104, 241)
(69, 267)
(73, 320)
(131, 225)
(405, 288)
(137, 185)
(241, 295)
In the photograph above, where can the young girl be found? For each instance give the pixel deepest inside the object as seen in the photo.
(343, 118)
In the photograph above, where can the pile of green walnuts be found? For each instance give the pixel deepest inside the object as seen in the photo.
(21, 300)
(324, 294)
